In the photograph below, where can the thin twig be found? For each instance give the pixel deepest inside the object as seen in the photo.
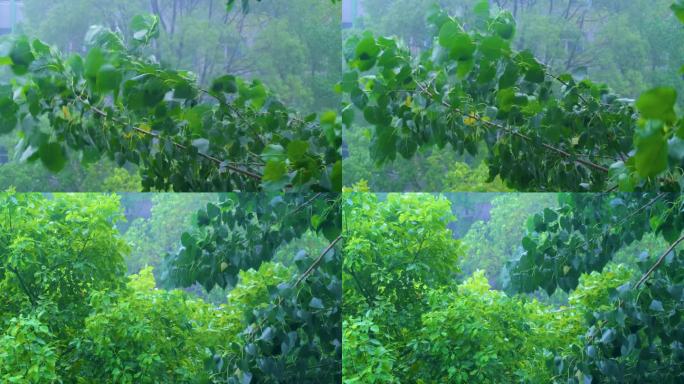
(318, 260)
(565, 83)
(23, 285)
(522, 136)
(660, 196)
(660, 261)
(299, 208)
(176, 144)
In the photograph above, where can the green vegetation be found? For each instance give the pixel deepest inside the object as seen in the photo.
(412, 315)
(71, 314)
(477, 84)
(214, 124)
(432, 170)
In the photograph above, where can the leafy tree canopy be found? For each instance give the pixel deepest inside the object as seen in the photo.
(619, 323)
(69, 313)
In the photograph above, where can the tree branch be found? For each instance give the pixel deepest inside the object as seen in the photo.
(660, 261)
(520, 135)
(176, 144)
(33, 300)
(305, 204)
(641, 209)
(318, 260)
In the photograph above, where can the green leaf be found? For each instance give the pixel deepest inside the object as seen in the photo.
(21, 56)
(461, 46)
(75, 63)
(407, 147)
(336, 177)
(273, 152)
(316, 303)
(108, 79)
(255, 93)
(246, 377)
(296, 150)
(656, 306)
(464, 68)
(184, 90)
(102, 37)
(487, 72)
(506, 99)
(658, 104)
(448, 33)
(94, 61)
(154, 91)
(8, 110)
(505, 30)
(651, 154)
(510, 76)
(494, 47)
(608, 336)
(40, 48)
(202, 145)
(213, 211)
(366, 53)
(535, 74)
(145, 27)
(53, 156)
(350, 81)
(275, 174)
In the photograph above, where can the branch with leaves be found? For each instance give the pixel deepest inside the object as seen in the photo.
(581, 237)
(112, 102)
(540, 131)
(299, 332)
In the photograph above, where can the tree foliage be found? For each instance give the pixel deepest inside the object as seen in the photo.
(633, 336)
(24, 353)
(542, 130)
(295, 335)
(70, 314)
(406, 317)
(152, 238)
(618, 324)
(55, 252)
(233, 135)
(431, 169)
(145, 335)
(491, 243)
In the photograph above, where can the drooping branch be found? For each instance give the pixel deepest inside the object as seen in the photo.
(641, 209)
(306, 203)
(513, 132)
